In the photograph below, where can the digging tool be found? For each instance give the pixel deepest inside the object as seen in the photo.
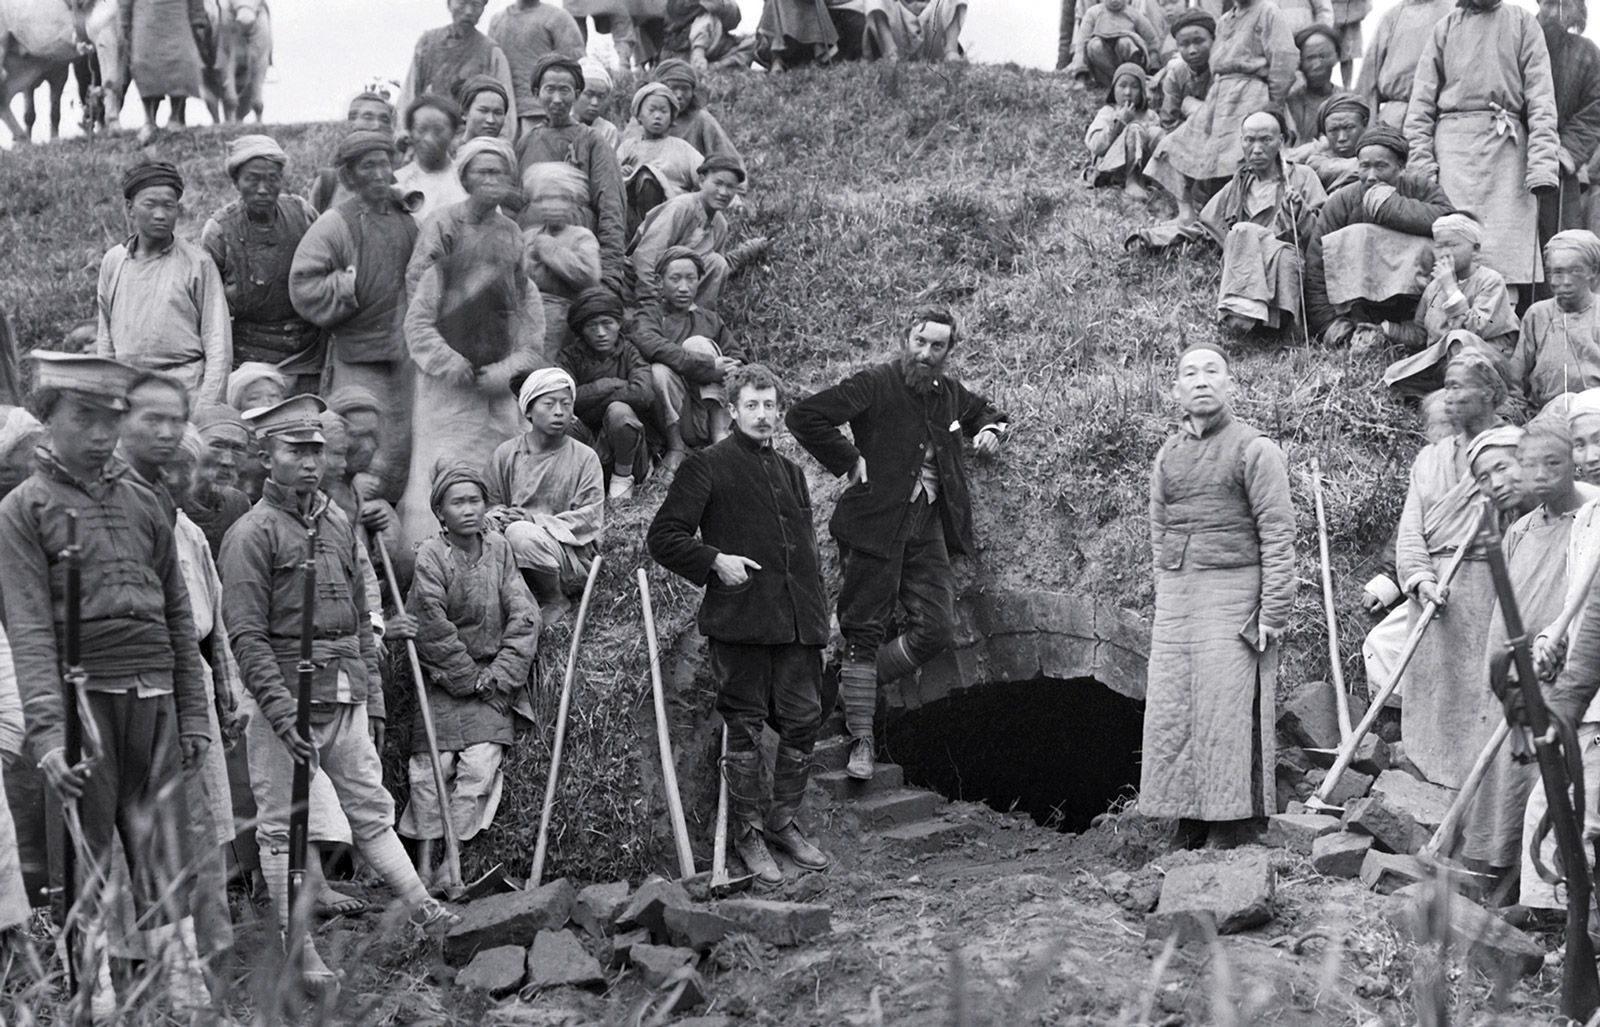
(1560, 769)
(300, 788)
(669, 772)
(494, 882)
(1341, 699)
(448, 878)
(721, 883)
(536, 874)
(1347, 751)
(1445, 834)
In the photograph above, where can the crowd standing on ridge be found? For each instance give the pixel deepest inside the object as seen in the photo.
(400, 408)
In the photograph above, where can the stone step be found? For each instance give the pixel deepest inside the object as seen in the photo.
(927, 836)
(886, 777)
(831, 753)
(895, 808)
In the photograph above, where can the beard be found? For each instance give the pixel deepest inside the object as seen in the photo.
(919, 376)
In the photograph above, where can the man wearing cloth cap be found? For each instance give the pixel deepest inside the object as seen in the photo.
(1370, 241)
(693, 220)
(253, 240)
(1333, 153)
(596, 97)
(145, 688)
(214, 502)
(261, 560)
(446, 57)
(694, 124)
(349, 277)
(161, 301)
(547, 494)
(1222, 534)
(905, 511)
(1187, 77)
(526, 31)
(1558, 350)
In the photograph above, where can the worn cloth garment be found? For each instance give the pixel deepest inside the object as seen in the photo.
(253, 259)
(1183, 90)
(1304, 108)
(562, 263)
(1262, 226)
(700, 129)
(1300, 14)
(674, 163)
(1222, 533)
(214, 516)
(1333, 171)
(166, 311)
(555, 504)
(472, 775)
(439, 189)
(1556, 353)
(348, 277)
(14, 904)
(1253, 64)
(1445, 705)
(1347, 18)
(1487, 314)
(682, 347)
(915, 34)
(1358, 256)
(475, 322)
(614, 396)
(163, 54)
(526, 31)
(220, 673)
(1483, 118)
(1096, 50)
(681, 221)
(1119, 146)
(1537, 551)
(446, 58)
(1390, 63)
(605, 211)
(1575, 76)
(797, 31)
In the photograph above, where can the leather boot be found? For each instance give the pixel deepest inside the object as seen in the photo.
(789, 777)
(858, 687)
(742, 770)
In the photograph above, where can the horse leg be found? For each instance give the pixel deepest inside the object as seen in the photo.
(9, 119)
(58, 86)
(30, 112)
(177, 114)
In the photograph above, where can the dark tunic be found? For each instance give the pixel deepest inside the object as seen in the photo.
(605, 214)
(446, 57)
(1575, 71)
(214, 519)
(254, 260)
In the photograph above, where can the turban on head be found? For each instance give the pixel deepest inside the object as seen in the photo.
(1486, 370)
(1580, 241)
(348, 399)
(592, 303)
(248, 148)
(1506, 436)
(217, 420)
(443, 104)
(469, 90)
(677, 72)
(720, 162)
(595, 72)
(553, 60)
(16, 427)
(542, 382)
(359, 143)
(1458, 225)
(480, 145)
(556, 178)
(1342, 103)
(1583, 404)
(1318, 29)
(1194, 16)
(447, 477)
(368, 96)
(650, 89)
(192, 444)
(247, 374)
(1391, 139)
(147, 174)
(672, 253)
(1207, 345)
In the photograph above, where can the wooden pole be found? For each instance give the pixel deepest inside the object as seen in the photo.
(1341, 698)
(669, 772)
(1444, 835)
(719, 846)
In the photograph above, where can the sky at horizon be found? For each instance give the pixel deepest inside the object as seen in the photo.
(326, 51)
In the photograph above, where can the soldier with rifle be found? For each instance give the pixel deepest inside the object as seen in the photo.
(316, 705)
(128, 675)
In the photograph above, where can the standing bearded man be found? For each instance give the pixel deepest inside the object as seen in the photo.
(905, 511)
(1222, 533)
(763, 611)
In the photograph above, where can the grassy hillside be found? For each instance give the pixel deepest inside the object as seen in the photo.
(882, 188)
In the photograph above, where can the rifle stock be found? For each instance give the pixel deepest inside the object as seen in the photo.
(72, 680)
(300, 810)
(1580, 986)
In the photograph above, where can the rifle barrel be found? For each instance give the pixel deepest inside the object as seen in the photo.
(300, 793)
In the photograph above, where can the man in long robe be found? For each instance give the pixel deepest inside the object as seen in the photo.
(1390, 64)
(1558, 350)
(526, 31)
(445, 58)
(1482, 119)
(1222, 535)
(1263, 220)
(1575, 73)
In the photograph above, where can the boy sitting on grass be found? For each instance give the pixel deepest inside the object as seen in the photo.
(477, 631)
(1112, 33)
(690, 350)
(656, 166)
(1464, 294)
(613, 387)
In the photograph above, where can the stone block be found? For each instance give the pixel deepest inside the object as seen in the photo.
(927, 837)
(647, 907)
(1352, 785)
(904, 806)
(1493, 946)
(778, 923)
(1386, 873)
(558, 958)
(656, 963)
(1013, 657)
(1297, 760)
(511, 919)
(1340, 854)
(1310, 717)
(695, 928)
(1391, 828)
(498, 971)
(1237, 894)
(596, 907)
(1426, 803)
(624, 942)
(886, 777)
(1297, 831)
(688, 987)
(1188, 926)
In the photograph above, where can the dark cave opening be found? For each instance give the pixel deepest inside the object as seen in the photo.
(1062, 751)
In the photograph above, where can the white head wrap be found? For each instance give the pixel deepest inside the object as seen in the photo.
(1583, 403)
(595, 70)
(15, 428)
(247, 374)
(542, 381)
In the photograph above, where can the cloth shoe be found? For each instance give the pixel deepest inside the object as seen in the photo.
(621, 487)
(434, 918)
(793, 844)
(861, 759)
(752, 849)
